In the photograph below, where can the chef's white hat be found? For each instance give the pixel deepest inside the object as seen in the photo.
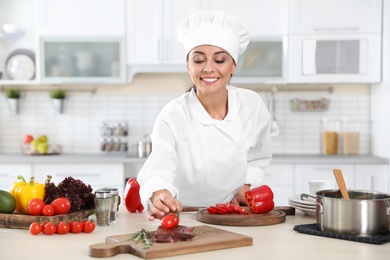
(213, 28)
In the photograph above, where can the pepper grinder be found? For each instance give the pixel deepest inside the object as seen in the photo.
(103, 202)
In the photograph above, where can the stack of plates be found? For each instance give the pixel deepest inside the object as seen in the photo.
(307, 206)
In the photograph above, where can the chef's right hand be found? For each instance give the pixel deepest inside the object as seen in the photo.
(162, 203)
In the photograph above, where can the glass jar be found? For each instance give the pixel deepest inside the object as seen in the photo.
(350, 136)
(103, 144)
(114, 203)
(103, 201)
(124, 129)
(330, 129)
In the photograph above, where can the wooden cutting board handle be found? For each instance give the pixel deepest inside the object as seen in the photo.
(108, 250)
(341, 183)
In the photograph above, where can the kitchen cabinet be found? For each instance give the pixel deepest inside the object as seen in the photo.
(96, 175)
(9, 173)
(372, 177)
(19, 15)
(81, 41)
(152, 44)
(265, 59)
(335, 41)
(263, 18)
(81, 59)
(306, 172)
(334, 16)
(286, 179)
(81, 17)
(280, 178)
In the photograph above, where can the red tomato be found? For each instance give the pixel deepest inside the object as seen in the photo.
(48, 210)
(60, 205)
(76, 227)
(89, 226)
(49, 228)
(170, 221)
(43, 223)
(35, 206)
(27, 139)
(62, 227)
(35, 228)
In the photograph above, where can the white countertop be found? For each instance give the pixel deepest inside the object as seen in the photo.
(122, 158)
(269, 242)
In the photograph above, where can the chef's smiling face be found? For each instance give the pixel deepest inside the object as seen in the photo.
(210, 68)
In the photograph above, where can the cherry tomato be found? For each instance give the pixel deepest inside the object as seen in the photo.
(49, 228)
(62, 227)
(48, 210)
(43, 223)
(170, 221)
(60, 205)
(35, 228)
(76, 227)
(89, 226)
(35, 206)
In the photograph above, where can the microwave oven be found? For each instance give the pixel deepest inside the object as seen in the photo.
(335, 58)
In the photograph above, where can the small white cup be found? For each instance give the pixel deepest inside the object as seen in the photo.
(317, 185)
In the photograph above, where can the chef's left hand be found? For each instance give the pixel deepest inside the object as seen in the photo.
(239, 198)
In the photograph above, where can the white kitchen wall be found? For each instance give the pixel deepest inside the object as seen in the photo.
(301, 131)
(77, 130)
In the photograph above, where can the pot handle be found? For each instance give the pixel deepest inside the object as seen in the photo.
(305, 196)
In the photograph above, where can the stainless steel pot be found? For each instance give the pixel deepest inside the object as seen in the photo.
(144, 148)
(365, 214)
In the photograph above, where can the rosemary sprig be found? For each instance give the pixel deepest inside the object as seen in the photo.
(144, 236)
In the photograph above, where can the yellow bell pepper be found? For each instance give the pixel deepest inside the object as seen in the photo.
(21, 182)
(27, 192)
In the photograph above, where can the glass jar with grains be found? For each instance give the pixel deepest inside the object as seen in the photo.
(330, 135)
(350, 136)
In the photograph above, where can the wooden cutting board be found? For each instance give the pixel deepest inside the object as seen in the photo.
(23, 221)
(271, 218)
(206, 238)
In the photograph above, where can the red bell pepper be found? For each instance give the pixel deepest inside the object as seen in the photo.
(226, 208)
(131, 196)
(260, 199)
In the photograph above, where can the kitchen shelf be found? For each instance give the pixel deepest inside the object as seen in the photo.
(92, 90)
(321, 104)
(7, 82)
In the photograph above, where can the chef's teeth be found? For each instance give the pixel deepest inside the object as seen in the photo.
(210, 79)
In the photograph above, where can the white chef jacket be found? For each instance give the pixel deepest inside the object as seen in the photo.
(203, 161)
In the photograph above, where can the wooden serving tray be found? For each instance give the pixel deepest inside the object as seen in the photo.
(206, 238)
(23, 221)
(271, 218)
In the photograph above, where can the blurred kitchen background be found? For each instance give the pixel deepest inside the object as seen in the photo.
(119, 63)
(78, 128)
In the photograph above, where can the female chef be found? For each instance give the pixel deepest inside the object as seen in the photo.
(211, 144)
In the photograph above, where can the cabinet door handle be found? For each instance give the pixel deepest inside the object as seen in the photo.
(331, 29)
(161, 50)
(323, 168)
(79, 174)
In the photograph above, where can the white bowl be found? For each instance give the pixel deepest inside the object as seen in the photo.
(10, 28)
(317, 185)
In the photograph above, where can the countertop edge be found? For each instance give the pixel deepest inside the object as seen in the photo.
(128, 159)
